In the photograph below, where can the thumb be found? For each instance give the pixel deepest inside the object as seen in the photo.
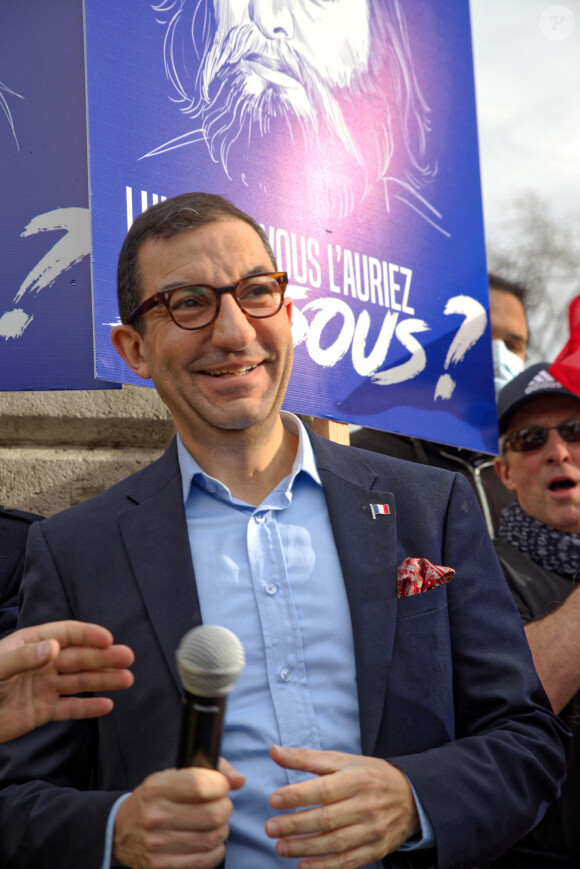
(236, 779)
(31, 656)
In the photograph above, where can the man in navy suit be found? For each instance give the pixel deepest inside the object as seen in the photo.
(368, 725)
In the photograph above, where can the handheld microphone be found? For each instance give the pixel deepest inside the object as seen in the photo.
(209, 660)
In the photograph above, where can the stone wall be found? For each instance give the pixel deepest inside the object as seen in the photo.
(59, 448)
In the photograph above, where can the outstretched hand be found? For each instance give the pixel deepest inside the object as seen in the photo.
(41, 666)
(354, 812)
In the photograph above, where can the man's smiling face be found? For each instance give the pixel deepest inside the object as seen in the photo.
(546, 481)
(233, 373)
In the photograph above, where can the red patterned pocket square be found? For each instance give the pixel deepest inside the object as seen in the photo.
(415, 575)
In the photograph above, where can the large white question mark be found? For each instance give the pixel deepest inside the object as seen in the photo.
(67, 251)
(466, 337)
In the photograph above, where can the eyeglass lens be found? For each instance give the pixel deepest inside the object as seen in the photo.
(527, 439)
(194, 307)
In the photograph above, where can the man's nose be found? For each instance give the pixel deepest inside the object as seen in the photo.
(274, 18)
(558, 450)
(232, 330)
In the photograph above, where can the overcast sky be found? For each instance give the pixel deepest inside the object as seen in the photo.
(527, 66)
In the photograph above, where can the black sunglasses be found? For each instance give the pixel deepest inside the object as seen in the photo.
(527, 439)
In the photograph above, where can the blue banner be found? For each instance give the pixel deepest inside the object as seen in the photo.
(347, 129)
(46, 323)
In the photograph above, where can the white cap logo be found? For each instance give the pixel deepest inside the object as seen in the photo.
(543, 380)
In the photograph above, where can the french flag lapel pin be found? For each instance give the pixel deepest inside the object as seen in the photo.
(379, 509)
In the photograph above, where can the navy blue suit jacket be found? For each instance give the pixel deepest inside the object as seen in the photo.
(14, 526)
(446, 686)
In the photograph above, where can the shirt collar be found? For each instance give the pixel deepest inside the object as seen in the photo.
(304, 461)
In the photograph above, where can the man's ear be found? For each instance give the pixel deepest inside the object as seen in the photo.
(129, 345)
(288, 306)
(502, 469)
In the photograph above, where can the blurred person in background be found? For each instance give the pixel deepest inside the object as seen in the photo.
(14, 526)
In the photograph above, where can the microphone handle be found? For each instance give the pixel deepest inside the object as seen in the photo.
(202, 725)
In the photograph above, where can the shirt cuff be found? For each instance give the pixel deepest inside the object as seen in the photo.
(424, 839)
(106, 864)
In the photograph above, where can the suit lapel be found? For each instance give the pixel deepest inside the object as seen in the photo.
(154, 531)
(367, 549)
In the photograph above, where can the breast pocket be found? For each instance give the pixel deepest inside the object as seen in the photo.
(419, 703)
(424, 602)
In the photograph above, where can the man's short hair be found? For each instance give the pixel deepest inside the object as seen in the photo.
(496, 282)
(166, 219)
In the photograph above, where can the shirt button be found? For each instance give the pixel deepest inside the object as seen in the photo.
(286, 674)
(260, 517)
(271, 588)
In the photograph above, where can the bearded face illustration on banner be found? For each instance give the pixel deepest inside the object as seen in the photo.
(334, 80)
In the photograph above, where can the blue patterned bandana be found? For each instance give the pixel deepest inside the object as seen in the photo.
(551, 549)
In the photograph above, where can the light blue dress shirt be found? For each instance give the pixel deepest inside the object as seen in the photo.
(271, 575)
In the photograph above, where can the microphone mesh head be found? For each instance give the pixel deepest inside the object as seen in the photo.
(209, 659)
